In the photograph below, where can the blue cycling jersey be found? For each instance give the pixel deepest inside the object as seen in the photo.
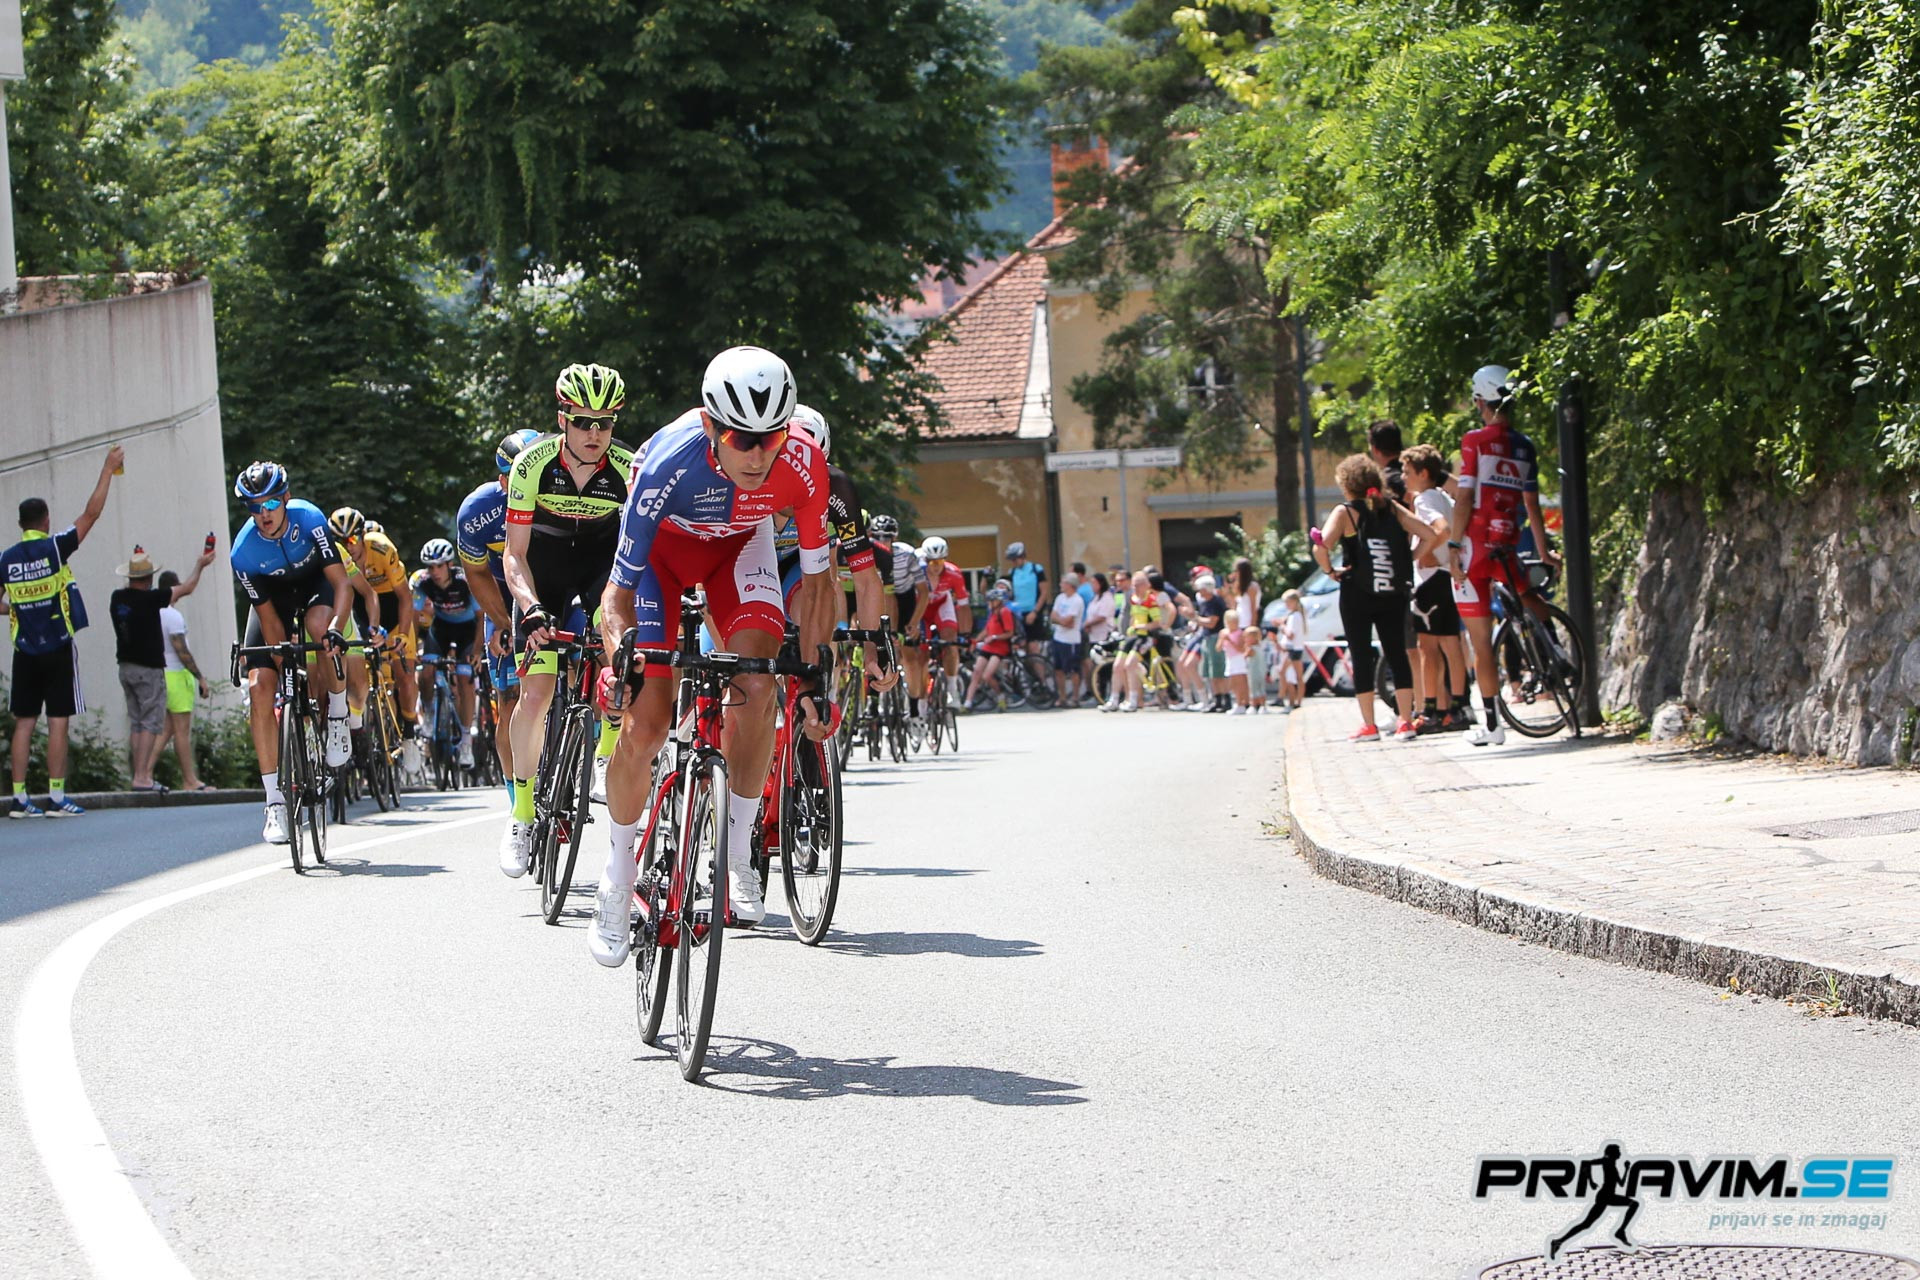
(267, 567)
(481, 530)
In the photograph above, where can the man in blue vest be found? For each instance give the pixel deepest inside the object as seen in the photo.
(1029, 582)
(40, 595)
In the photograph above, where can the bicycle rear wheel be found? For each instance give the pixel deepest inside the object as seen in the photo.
(702, 877)
(313, 807)
(952, 720)
(1041, 691)
(810, 841)
(378, 762)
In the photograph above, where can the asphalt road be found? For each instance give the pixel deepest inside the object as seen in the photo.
(1083, 1012)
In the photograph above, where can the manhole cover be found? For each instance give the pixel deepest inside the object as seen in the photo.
(1899, 823)
(1710, 1262)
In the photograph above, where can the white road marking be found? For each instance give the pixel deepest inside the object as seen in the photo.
(107, 1216)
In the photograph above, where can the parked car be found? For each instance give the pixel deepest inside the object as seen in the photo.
(1320, 597)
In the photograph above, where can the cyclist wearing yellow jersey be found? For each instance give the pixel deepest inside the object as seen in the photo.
(564, 499)
(373, 554)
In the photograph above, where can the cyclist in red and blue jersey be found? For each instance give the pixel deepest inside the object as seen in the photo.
(480, 536)
(286, 562)
(1499, 484)
(699, 510)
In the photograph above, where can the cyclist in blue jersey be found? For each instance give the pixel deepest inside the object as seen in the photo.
(480, 536)
(285, 560)
(456, 626)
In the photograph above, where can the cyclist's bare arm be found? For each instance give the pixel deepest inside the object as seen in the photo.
(912, 626)
(343, 596)
(813, 606)
(1538, 523)
(486, 594)
(519, 576)
(616, 615)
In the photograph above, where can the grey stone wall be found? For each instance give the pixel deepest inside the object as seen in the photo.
(1794, 622)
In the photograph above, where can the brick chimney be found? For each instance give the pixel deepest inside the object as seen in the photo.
(1081, 154)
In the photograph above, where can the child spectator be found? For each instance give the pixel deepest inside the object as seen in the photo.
(1293, 650)
(994, 647)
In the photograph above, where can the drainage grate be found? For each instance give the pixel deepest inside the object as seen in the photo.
(1710, 1262)
(1475, 786)
(1899, 823)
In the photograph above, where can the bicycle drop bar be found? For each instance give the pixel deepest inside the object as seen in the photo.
(285, 649)
(734, 664)
(881, 635)
(559, 640)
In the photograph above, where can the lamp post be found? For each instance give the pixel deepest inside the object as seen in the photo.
(1576, 520)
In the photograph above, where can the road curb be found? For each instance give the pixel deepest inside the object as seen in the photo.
(172, 799)
(1643, 940)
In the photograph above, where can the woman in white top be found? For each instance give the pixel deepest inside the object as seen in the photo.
(183, 681)
(1439, 663)
(1250, 685)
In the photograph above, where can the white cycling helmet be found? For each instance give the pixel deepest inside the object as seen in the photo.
(748, 388)
(1490, 383)
(814, 423)
(934, 548)
(437, 551)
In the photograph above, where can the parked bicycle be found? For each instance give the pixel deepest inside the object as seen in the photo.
(304, 777)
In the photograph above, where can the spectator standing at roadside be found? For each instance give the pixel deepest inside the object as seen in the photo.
(141, 652)
(1097, 629)
(183, 681)
(1210, 617)
(1384, 446)
(1378, 541)
(1245, 589)
(1086, 584)
(1069, 621)
(1439, 668)
(1028, 581)
(1293, 650)
(47, 611)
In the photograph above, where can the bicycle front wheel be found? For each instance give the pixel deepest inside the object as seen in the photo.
(652, 952)
(293, 782)
(811, 840)
(313, 805)
(557, 841)
(1542, 662)
(701, 876)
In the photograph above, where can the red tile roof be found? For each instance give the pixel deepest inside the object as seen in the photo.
(982, 366)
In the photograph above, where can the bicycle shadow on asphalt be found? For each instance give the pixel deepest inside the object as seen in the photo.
(773, 1070)
(929, 944)
(361, 867)
(933, 873)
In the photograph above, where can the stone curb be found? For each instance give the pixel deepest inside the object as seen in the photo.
(149, 800)
(1644, 940)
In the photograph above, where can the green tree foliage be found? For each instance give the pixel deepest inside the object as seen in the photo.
(1209, 362)
(331, 356)
(1852, 189)
(692, 174)
(73, 127)
(1454, 150)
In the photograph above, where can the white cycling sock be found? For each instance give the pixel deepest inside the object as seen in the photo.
(353, 719)
(621, 870)
(741, 812)
(336, 705)
(270, 783)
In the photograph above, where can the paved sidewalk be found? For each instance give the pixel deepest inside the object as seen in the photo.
(1779, 873)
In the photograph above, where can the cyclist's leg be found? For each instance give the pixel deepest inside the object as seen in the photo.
(263, 679)
(530, 720)
(506, 697)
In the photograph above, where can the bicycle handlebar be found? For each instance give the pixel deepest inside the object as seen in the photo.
(285, 649)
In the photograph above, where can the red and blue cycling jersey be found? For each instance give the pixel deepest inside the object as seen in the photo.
(1498, 467)
(677, 488)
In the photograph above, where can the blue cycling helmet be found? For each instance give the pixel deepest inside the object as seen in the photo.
(511, 445)
(260, 480)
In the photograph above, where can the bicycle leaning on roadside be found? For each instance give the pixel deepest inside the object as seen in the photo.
(304, 777)
(1541, 655)
(680, 895)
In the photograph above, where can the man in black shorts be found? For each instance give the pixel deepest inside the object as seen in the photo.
(45, 605)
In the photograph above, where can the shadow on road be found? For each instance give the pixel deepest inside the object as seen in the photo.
(927, 944)
(769, 1070)
(929, 872)
(361, 867)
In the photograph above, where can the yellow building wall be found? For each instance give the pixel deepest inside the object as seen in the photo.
(1092, 529)
(1004, 499)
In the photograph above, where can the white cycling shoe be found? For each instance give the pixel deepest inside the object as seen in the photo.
(339, 743)
(612, 929)
(516, 849)
(1480, 735)
(275, 831)
(466, 753)
(598, 793)
(743, 892)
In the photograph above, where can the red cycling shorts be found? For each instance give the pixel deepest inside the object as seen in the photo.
(741, 576)
(1474, 597)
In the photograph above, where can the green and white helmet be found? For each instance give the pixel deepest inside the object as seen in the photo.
(591, 387)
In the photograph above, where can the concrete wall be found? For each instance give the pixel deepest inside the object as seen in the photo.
(138, 372)
(982, 496)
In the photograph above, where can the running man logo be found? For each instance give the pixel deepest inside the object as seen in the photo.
(1619, 1183)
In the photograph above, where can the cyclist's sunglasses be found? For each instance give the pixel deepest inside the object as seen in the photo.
(587, 422)
(266, 504)
(748, 441)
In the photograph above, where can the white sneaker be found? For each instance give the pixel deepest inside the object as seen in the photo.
(743, 891)
(466, 753)
(612, 927)
(411, 762)
(1480, 735)
(1129, 706)
(275, 832)
(339, 744)
(516, 849)
(1238, 710)
(599, 791)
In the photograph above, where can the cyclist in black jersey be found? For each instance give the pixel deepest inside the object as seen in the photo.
(853, 550)
(904, 573)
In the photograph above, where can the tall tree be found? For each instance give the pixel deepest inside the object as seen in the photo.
(332, 356)
(695, 173)
(1209, 363)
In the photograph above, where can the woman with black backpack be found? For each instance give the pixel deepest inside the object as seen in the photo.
(1378, 540)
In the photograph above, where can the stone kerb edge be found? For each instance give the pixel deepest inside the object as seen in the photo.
(1642, 941)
